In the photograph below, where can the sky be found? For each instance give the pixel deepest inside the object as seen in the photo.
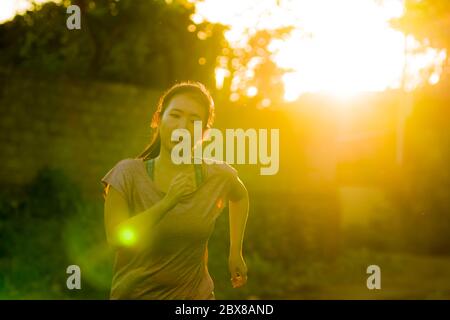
(9, 8)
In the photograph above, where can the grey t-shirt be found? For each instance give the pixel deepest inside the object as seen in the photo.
(175, 264)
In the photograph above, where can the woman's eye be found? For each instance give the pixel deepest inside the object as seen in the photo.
(174, 115)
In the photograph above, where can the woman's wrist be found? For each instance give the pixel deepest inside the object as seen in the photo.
(235, 251)
(167, 203)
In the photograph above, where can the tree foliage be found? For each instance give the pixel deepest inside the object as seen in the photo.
(427, 19)
(150, 43)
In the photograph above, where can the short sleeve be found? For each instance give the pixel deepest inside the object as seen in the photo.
(119, 178)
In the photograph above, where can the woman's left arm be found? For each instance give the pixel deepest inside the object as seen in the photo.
(238, 212)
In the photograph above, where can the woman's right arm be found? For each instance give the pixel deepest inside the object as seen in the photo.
(123, 231)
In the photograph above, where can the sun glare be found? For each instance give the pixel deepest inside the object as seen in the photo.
(341, 47)
(10, 8)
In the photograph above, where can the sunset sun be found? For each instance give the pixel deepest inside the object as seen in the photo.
(336, 47)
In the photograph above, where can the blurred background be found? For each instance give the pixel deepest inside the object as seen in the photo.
(358, 88)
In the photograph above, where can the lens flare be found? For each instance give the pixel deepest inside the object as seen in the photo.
(127, 236)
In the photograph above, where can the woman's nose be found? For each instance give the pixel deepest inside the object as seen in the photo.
(183, 123)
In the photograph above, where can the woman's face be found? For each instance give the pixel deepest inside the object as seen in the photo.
(181, 113)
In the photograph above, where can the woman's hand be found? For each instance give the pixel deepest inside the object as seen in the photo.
(181, 185)
(238, 270)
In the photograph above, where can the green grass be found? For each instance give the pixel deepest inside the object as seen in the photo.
(37, 250)
(403, 276)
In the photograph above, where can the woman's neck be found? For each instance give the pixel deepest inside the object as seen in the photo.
(164, 161)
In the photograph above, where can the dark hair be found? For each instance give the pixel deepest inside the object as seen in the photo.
(197, 91)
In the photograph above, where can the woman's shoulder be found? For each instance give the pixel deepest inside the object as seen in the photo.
(219, 167)
(121, 175)
(128, 164)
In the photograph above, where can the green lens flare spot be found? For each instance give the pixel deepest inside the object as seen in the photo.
(127, 237)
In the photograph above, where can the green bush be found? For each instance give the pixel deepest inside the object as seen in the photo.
(43, 232)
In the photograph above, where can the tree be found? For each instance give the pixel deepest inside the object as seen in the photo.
(254, 66)
(422, 192)
(148, 43)
(428, 20)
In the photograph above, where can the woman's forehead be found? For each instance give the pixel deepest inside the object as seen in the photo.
(186, 104)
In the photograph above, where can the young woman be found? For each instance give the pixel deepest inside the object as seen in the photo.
(159, 215)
